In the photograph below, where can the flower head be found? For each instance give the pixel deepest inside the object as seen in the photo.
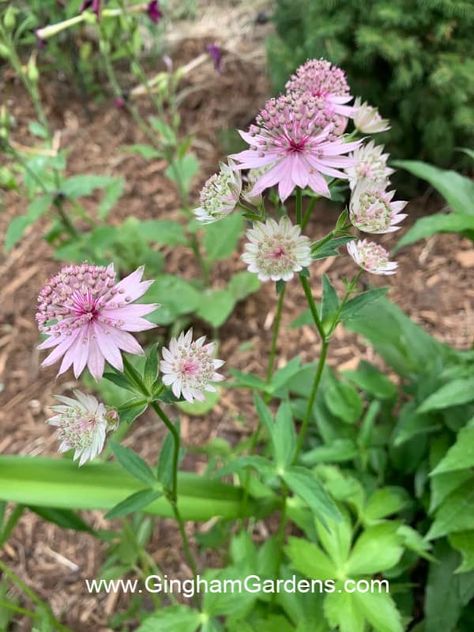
(373, 211)
(320, 79)
(154, 11)
(370, 164)
(215, 53)
(292, 138)
(189, 367)
(87, 316)
(82, 425)
(276, 250)
(371, 257)
(368, 120)
(220, 194)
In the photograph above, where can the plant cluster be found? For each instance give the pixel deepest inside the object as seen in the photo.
(360, 481)
(412, 58)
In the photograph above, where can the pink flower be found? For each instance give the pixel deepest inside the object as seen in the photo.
(372, 209)
(320, 79)
(154, 11)
(215, 53)
(370, 165)
(87, 317)
(371, 257)
(289, 139)
(189, 367)
(94, 5)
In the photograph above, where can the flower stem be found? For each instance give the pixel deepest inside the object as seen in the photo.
(308, 212)
(173, 492)
(275, 333)
(321, 362)
(299, 205)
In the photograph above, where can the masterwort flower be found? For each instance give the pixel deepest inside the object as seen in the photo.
(290, 138)
(276, 250)
(370, 164)
(87, 317)
(368, 120)
(320, 79)
(220, 194)
(189, 367)
(82, 425)
(372, 209)
(371, 257)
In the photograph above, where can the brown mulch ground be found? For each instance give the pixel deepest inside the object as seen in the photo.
(432, 286)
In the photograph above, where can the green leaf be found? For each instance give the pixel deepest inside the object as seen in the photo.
(343, 401)
(330, 248)
(281, 377)
(330, 300)
(145, 151)
(460, 456)
(464, 543)
(132, 409)
(136, 502)
(415, 542)
(220, 239)
(120, 380)
(353, 307)
(309, 559)
(437, 223)
(19, 224)
(162, 231)
(242, 284)
(183, 170)
(196, 408)
(259, 463)
(112, 192)
(85, 184)
(151, 367)
(172, 619)
(371, 380)
(457, 190)
(175, 296)
(164, 470)
(64, 518)
(133, 464)
(377, 549)
(447, 593)
(37, 129)
(453, 393)
(379, 610)
(215, 306)
(284, 436)
(338, 451)
(48, 482)
(305, 485)
(340, 609)
(456, 513)
(385, 502)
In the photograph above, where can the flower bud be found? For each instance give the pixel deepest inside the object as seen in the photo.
(9, 19)
(32, 70)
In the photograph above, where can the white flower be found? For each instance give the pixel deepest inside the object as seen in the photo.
(189, 368)
(370, 164)
(372, 210)
(82, 425)
(220, 194)
(276, 250)
(371, 257)
(368, 120)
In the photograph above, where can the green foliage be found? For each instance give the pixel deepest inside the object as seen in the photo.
(412, 59)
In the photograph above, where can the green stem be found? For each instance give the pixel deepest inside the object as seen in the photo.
(308, 212)
(275, 333)
(173, 495)
(299, 205)
(312, 306)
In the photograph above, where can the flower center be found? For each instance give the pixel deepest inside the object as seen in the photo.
(189, 367)
(278, 252)
(85, 305)
(296, 146)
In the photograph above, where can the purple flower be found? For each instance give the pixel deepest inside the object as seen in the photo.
(215, 52)
(154, 12)
(292, 138)
(88, 316)
(94, 5)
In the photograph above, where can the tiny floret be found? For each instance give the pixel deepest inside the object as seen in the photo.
(368, 120)
(82, 425)
(87, 317)
(220, 194)
(275, 251)
(370, 164)
(294, 140)
(189, 367)
(371, 257)
(372, 209)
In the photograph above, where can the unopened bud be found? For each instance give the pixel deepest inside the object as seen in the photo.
(32, 70)
(9, 19)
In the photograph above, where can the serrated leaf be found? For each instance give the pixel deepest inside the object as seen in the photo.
(343, 401)
(456, 513)
(136, 502)
(330, 248)
(371, 380)
(453, 393)
(284, 436)
(172, 619)
(352, 308)
(309, 559)
(460, 456)
(305, 485)
(132, 409)
(330, 300)
(151, 367)
(64, 518)
(464, 543)
(133, 464)
(377, 549)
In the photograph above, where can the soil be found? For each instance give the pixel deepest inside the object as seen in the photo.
(432, 286)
